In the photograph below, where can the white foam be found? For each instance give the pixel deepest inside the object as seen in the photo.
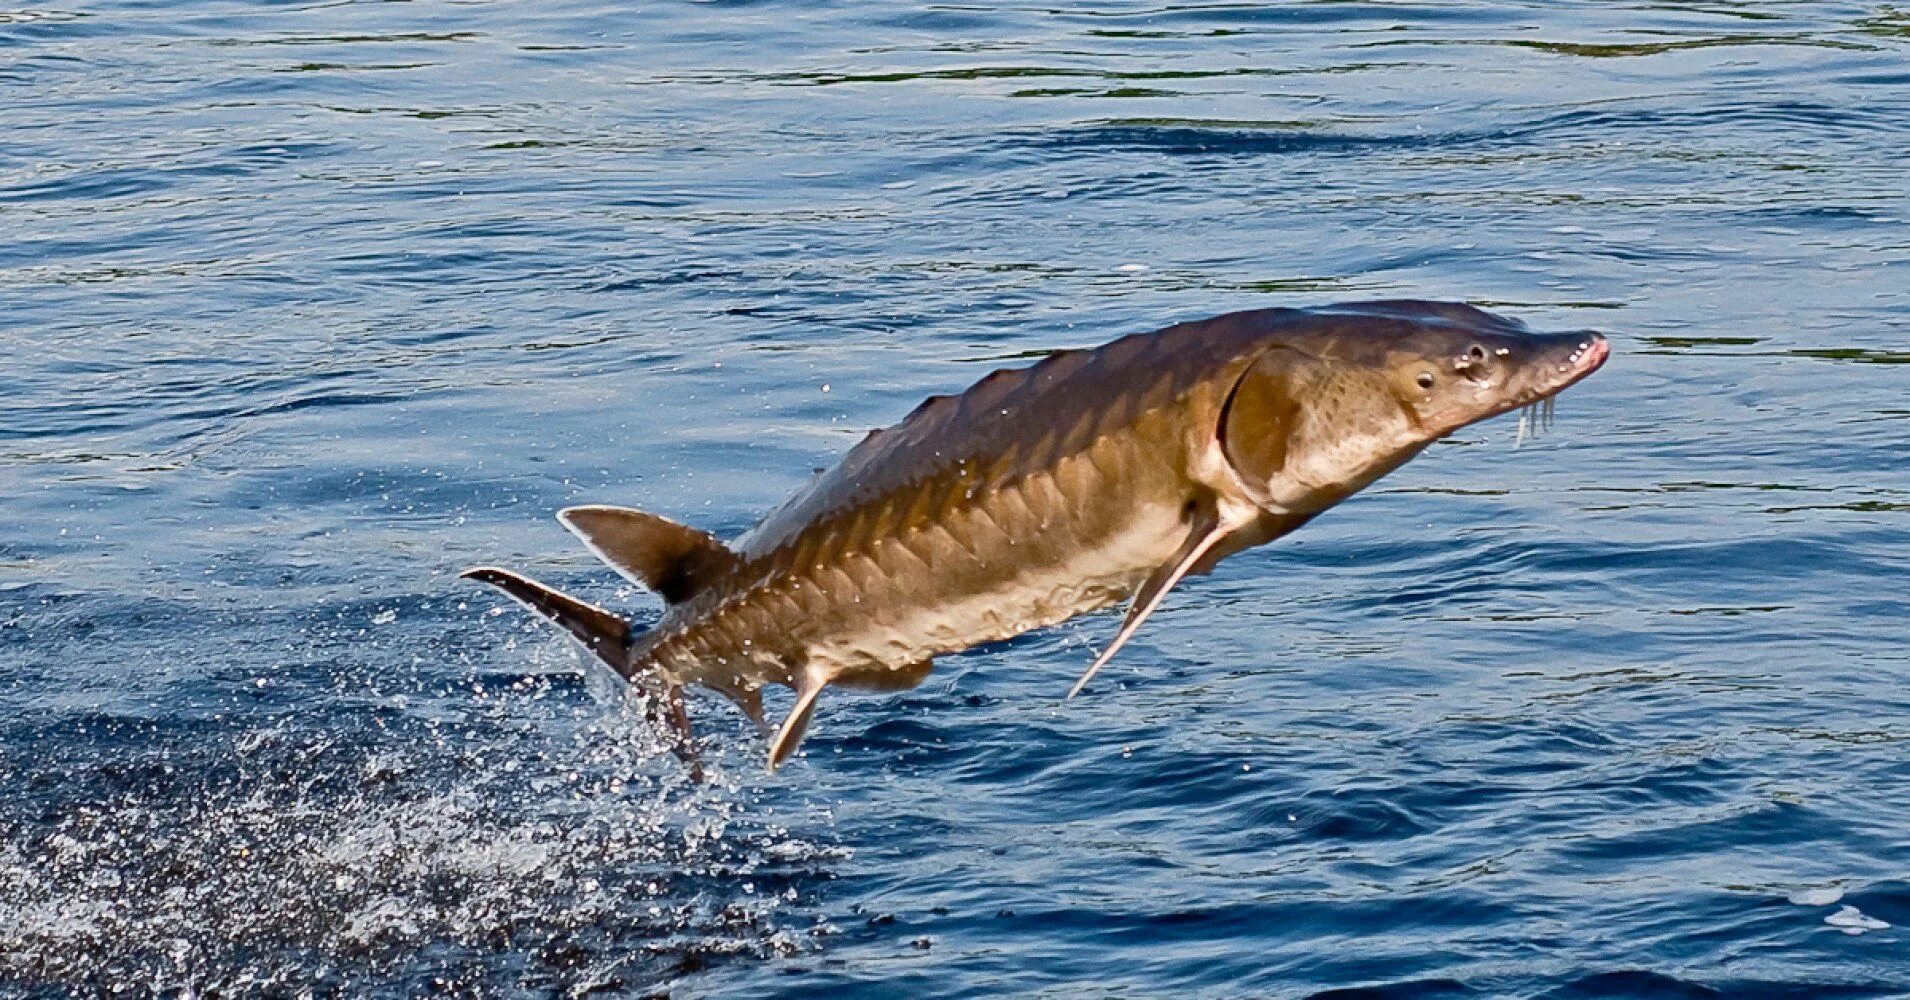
(1823, 896)
(1851, 920)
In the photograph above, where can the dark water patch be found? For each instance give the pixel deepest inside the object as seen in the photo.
(90, 185)
(1744, 118)
(1082, 92)
(1630, 983)
(1676, 344)
(1427, 988)
(324, 39)
(1388, 16)
(327, 67)
(1640, 982)
(1228, 140)
(1887, 21)
(1623, 50)
(1860, 355)
(1700, 345)
(969, 73)
(1855, 506)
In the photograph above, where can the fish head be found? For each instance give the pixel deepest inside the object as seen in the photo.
(1450, 377)
(1322, 414)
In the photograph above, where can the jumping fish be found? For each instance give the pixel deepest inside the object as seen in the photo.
(1091, 477)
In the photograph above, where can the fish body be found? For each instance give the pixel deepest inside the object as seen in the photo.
(1092, 477)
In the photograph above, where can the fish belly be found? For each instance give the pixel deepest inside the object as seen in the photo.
(1034, 583)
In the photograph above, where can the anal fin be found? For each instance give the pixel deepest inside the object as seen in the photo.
(749, 700)
(1206, 533)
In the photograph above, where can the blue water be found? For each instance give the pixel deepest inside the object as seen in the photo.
(306, 306)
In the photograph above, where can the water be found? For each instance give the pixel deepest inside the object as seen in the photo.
(304, 307)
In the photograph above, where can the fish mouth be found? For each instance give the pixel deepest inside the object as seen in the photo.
(1589, 357)
(1538, 406)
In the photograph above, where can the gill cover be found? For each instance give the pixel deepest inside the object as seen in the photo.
(1259, 420)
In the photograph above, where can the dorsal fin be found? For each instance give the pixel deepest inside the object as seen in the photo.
(669, 558)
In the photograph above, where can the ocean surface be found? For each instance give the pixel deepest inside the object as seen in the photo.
(304, 307)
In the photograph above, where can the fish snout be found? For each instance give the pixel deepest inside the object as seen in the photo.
(1558, 362)
(1539, 367)
(1588, 355)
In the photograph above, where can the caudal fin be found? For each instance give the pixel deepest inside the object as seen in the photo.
(604, 634)
(601, 632)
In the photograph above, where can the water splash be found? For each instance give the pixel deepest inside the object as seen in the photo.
(567, 852)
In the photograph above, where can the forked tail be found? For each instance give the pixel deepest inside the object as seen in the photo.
(606, 635)
(601, 632)
(679, 563)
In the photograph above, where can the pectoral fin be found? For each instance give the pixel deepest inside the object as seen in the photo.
(1207, 532)
(751, 702)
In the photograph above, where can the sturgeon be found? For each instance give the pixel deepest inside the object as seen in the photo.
(1092, 477)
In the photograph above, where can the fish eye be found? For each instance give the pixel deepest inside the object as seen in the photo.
(1425, 380)
(1477, 353)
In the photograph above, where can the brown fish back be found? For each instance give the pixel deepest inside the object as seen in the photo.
(1017, 421)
